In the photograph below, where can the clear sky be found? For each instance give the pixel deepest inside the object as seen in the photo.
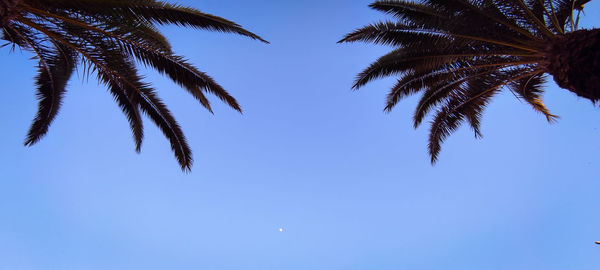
(351, 186)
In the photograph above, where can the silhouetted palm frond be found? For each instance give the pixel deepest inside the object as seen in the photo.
(107, 37)
(460, 53)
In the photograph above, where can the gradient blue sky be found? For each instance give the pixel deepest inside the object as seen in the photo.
(352, 186)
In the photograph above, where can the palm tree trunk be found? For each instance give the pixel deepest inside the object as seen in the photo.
(8, 8)
(574, 62)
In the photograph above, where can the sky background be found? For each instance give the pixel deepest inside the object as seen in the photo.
(352, 186)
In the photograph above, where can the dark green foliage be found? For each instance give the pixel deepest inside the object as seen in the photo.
(460, 53)
(107, 38)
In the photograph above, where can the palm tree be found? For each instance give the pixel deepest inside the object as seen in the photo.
(108, 37)
(460, 53)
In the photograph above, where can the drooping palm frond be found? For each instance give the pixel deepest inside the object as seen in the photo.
(107, 37)
(460, 53)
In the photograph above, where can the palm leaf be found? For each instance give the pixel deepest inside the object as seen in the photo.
(108, 37)
(154, 12)
(460, 53)
(51, 84)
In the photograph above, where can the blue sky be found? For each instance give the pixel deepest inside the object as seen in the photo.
(352, 186)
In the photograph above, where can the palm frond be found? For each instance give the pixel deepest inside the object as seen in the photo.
(51, 82)
(530, 90)
(108, 37)
(460, 53)
(154, 12)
